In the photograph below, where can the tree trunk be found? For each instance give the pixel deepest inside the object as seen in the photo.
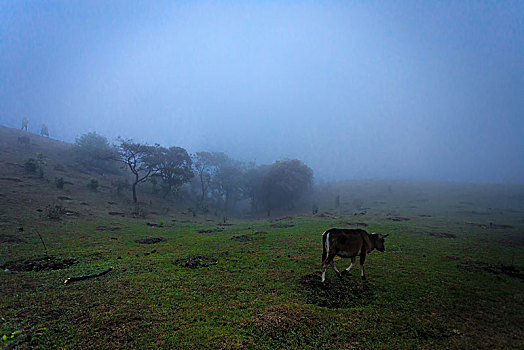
(134, 188)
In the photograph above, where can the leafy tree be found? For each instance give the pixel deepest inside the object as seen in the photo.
(94, 151)
(284, 182)
(143, 160)
(174, 167)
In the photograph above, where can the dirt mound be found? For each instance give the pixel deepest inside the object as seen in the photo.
(508, 270)
(219, 229)
(247, 238)
(437, 234)
(151, 240)
(196, 261)
(105, 228)
(279, 225)
(399, 218)
(39, 264)
(10, 239)
(335, 293)
(363, 224)
(284, 323)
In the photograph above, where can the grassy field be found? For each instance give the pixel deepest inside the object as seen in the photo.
(257, 284)
(451, 277)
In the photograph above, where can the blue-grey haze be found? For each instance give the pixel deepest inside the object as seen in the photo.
(430, 90)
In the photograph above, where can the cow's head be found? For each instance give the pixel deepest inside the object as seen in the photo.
(379, 241)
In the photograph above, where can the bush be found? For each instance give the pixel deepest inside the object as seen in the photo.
(31, 165)
(120, 185)
(54, 212)
(94, 151)
(93, 185)
(59, 182)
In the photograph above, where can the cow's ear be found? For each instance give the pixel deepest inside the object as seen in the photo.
(385, 235)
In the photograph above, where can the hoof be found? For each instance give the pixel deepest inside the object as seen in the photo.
(345, 272)
(363, 278)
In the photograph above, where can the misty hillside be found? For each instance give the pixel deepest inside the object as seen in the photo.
(26, 194)
(35, 192)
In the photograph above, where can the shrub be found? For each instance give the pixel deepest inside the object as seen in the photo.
(59, 182)
(93, 185)
(94, 151)
(120, 185)
(31, 165)
(54, 212)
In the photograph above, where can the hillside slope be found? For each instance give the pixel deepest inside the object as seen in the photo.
(26, 195)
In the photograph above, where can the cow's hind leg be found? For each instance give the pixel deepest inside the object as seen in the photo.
(326, 263)
(346, 271)
(362, 260)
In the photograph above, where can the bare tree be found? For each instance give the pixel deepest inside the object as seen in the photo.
(143, 160)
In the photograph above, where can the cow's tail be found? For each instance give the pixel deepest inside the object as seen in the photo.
(324, 252)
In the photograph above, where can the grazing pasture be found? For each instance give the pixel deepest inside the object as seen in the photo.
(255, 284)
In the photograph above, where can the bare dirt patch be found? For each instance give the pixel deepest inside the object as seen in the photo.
(151, 240)
(336, 292)
(219, 229)
(196, 261)
(10, 179)
(39, 264)
(280, 225)
(399, 218)
(250, 237)
(280, 322)
(508, 270)
(363, 224)
(4, 238)
(437, 234)
(105, 228)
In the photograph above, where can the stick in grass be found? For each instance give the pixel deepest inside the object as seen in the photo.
(41, 239)
(79, 278)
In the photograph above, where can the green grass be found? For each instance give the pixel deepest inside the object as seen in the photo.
(418, 294)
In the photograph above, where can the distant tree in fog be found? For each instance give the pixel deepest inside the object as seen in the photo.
(92, 150)
(174, 167)
(143, 160)
(206, 165)
(228, 182)
(284, 182)
(253, 188)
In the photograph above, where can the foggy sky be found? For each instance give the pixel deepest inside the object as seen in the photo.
(430, 90)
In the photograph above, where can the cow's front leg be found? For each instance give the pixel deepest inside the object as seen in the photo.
(346, 271)
(336, 270)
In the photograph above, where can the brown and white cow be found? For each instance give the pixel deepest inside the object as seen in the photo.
(348, 243)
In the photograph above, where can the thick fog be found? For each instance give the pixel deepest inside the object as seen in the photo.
(426, 90)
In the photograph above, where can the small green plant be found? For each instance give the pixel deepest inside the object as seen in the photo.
(59, 182)
(93, 185)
